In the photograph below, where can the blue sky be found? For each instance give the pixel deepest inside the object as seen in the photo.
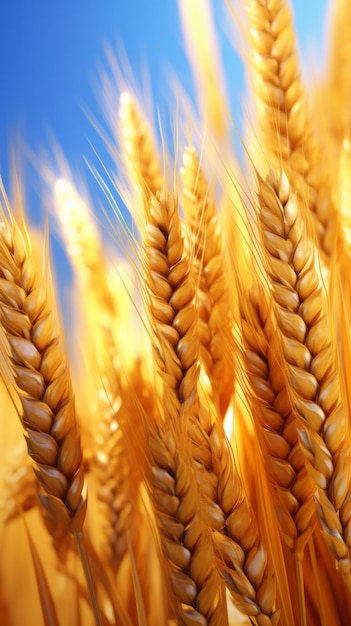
(51, 53)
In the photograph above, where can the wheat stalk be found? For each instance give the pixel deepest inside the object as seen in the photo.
(344, 190)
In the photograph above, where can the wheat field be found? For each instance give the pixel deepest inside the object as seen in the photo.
(180, 453)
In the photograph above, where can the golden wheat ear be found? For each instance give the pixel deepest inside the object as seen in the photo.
(40, 368)
(138, 146)
(275, 419)
(36, 360)
(170, 297)
(116, 389)
(211, 278)
(185, 539)
(336, 84)
(280, 96)
(285, 125)
(173, 485)
(276, 427)
(19, 490)
(241, 554)
(83, 244)
(203, 53)
(303, 316)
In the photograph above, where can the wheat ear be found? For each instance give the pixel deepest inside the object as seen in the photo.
(170, 297)
(337, 85)
(186, 541)
(241, 554)
(173, 317)
(280, 95)
(117, 482)
(285, 125)
(344, 191)
(211, 277)
(214, 468)
(42, 376)
(171, 303)
(20, 488)
(138, 146)
(302, 313)
(83, 244)
(340, 284)
(113, 472)
(203, 54)
(217, 475)
(275, 419)
(235, 533)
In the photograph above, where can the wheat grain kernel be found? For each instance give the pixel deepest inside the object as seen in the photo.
(32, 382)
(183, 587)
(53, 480)
(161, 479)
(40, 413)
(41, 447)
(193, 618)
(166, 503)
(179, 555)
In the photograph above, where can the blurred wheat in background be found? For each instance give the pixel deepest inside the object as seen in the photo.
(186, 449)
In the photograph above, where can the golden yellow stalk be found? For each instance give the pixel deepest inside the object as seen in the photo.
(309, 350)
(211, 276)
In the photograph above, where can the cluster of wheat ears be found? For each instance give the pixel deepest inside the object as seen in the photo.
(192, 466)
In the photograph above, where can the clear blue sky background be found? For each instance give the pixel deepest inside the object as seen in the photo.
(51, 51)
